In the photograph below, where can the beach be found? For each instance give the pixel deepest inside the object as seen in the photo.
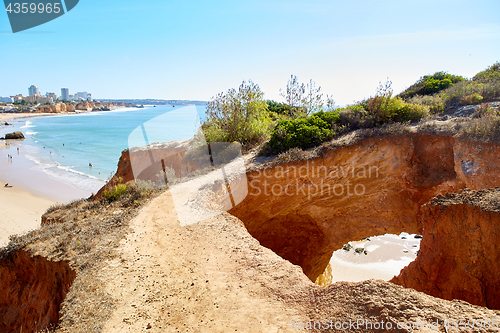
(7, 116)
(23, 204)
(382, 258)
(20, 210)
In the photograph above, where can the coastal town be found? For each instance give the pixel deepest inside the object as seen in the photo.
(36, 102)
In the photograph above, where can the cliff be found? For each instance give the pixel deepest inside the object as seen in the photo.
(31, 291)
(138, 269)
(147, 163)
(305, 210)
(459, 256)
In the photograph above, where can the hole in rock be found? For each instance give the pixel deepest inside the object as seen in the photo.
(379, 257)
(32, 289)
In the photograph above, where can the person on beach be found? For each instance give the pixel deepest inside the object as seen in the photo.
(7, 185)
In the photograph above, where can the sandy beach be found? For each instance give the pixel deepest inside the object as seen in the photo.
(20, 211)
(384, 257)
(21, 207)
(7, 116)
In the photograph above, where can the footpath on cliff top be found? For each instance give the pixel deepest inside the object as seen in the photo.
(214, 277)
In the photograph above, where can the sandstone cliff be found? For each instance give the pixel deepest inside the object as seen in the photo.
(31, 291)
(459, 256)
(306, 210)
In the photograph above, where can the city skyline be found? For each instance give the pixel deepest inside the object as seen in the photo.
(179, 50)
(34, 92)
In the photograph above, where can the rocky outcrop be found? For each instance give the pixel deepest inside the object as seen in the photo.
(31, 291)
(305, 210)
(56, 108)
(459, 256)
(146, 163)
(14, 136)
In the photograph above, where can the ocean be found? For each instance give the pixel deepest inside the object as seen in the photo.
(63, 146)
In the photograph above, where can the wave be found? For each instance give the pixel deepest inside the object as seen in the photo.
(31, 133)
(65, 168)
(64, 173)
(28, 124)
(74, 178)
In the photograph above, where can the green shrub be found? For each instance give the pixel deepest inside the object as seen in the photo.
(455, 95)
(384, 109)
(436, 104)
(431, 84)
(489, 75)
(474, 98)
(116, 192)
(354, 117)
(238, 115)
(304, 132)
(277, 107)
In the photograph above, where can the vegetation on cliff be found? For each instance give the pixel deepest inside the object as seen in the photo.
(308, 119)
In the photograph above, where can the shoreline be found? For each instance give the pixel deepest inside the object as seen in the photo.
(33, 191)
(20, 212)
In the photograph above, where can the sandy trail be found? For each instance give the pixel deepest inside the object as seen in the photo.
(214, 277)
(211, 276)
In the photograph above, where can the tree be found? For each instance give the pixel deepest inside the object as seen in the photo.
(330, 103)
(238, 115)
(313, 100)
(304, 99)
(294, 94)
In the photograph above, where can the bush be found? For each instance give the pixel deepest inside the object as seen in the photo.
(435, 103)
(304, 132)
(458, 93)
(354, 117)
(431, 84)
(238, 115)
(489, 75)
(384, 109)
(277, 107)
(116, 192)
(471, 99)
(485, 127)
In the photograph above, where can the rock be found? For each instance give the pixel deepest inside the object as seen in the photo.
(14, 136)
(459, 256)
(136, 163)
(305, 210)
(31, 291)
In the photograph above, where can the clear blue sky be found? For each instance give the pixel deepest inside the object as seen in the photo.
(183, 49)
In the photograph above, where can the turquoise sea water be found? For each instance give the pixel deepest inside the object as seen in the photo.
(63, 146)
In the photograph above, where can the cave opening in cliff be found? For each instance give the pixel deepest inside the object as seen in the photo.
(378, 257)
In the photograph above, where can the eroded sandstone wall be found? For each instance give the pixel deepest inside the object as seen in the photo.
(459, 256)
(374, 187)
(31, 291)
(146, 164)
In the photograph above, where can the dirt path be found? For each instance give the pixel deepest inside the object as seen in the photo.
(211, 276)
(214, 277)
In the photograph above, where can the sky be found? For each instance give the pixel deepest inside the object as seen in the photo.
(187, 49)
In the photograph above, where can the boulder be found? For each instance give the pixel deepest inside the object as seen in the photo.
(14, 136)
